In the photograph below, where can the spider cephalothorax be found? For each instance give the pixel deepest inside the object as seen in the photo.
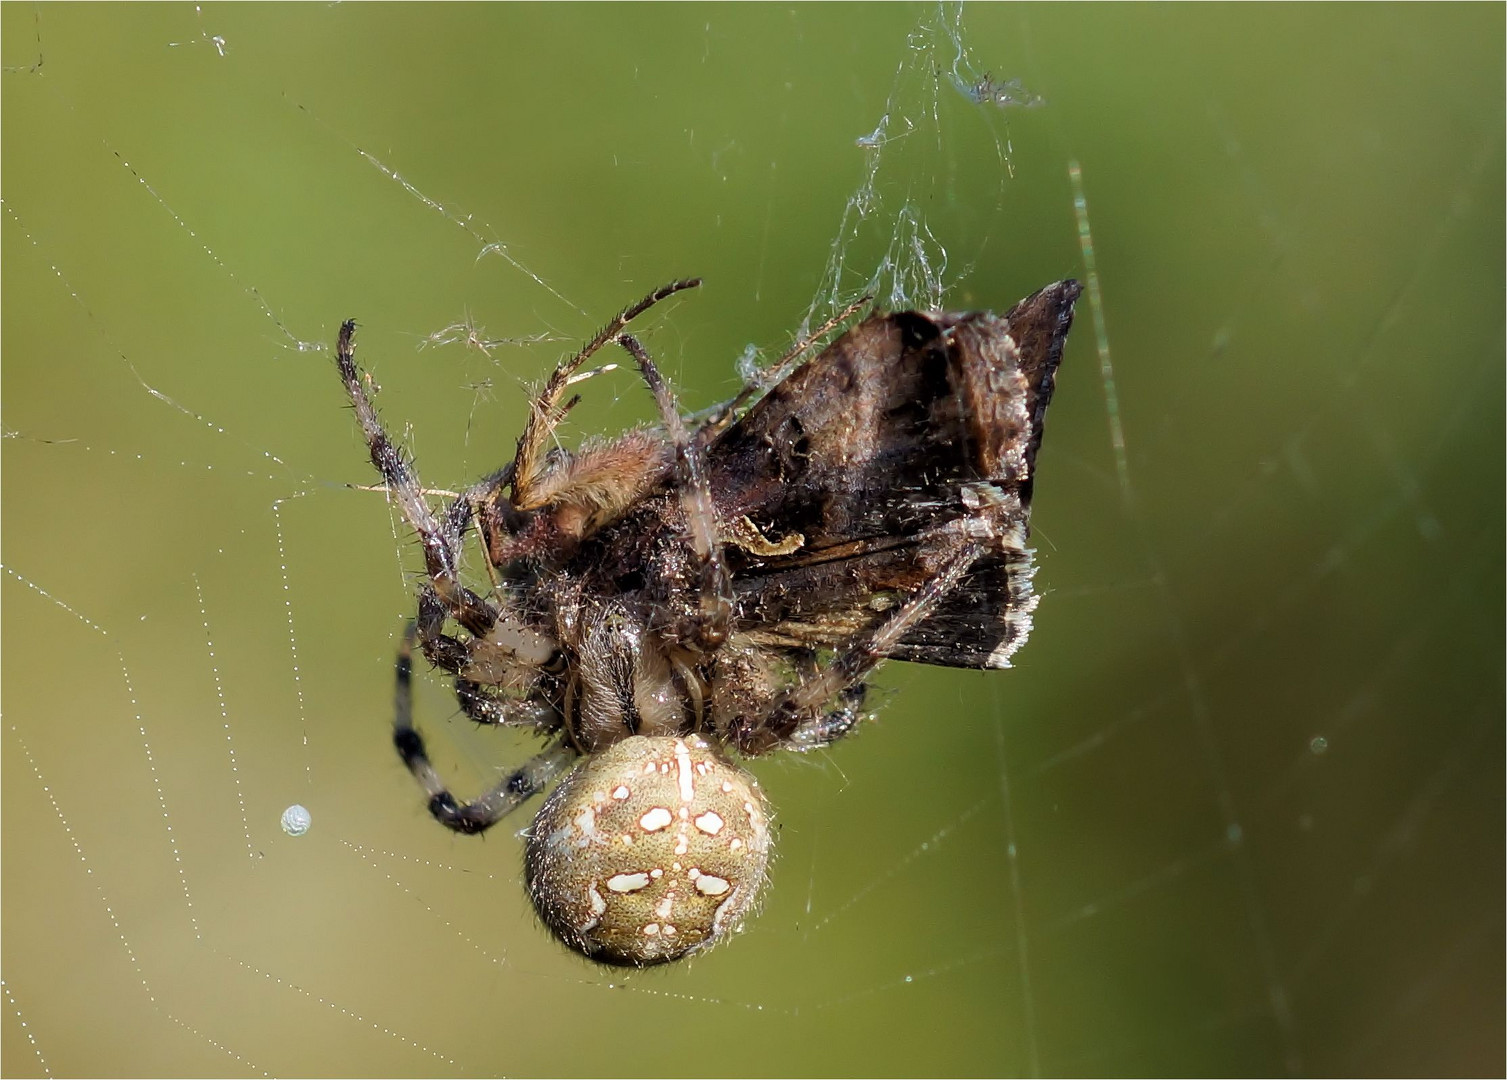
(661, 598)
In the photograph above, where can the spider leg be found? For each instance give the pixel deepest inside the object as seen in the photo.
(449, 653)
(802, 707)
(775, 373)
(474, 502)
(487, 809)
(815, 732)
(550, 407)
(715, 607)
(440, 541)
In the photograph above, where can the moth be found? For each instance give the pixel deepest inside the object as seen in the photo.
(656, 603)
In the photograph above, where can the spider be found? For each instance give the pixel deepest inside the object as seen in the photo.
(662, 598)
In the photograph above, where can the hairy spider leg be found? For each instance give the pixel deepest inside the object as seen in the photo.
(460, 513)
(775, 373)
(548, 409)
(450, 654)
(462, 509)
(715, 607)
(443, 596)
(490, 807)
(440, 542)
(800, 709)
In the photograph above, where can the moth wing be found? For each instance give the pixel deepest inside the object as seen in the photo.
(876, 445)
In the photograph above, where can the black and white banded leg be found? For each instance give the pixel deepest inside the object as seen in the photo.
(486, 810)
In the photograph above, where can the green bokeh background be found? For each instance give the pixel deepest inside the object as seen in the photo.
(1238, 810)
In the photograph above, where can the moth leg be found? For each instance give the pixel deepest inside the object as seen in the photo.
(854, 661)
(551, 406)
(487, 809)
(439, 539)
(715, 603)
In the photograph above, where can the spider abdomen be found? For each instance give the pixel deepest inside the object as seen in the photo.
(649, 850)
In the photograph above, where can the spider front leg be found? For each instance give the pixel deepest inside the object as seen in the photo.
(485, 811)
(440, 541)
(708, 627)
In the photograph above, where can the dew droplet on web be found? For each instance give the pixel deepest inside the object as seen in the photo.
(296, 820)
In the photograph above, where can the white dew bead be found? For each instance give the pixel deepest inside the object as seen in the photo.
(296, 820)
(648, 851)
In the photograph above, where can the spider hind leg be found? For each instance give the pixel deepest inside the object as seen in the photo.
(804, 714)
(816, 732)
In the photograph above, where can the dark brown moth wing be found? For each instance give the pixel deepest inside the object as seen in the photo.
(1039, 326)
(842, 477)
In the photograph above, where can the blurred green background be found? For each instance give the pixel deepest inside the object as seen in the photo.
(1239, 808)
